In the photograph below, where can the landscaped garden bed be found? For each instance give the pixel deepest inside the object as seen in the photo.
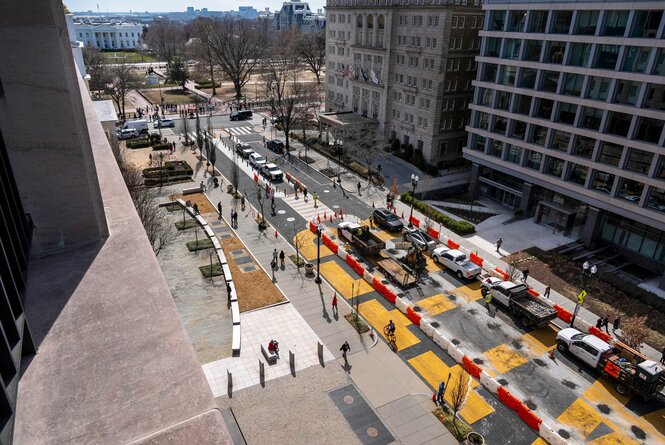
(201, 244)
(357, 322)
(459, 227)
(170, 172)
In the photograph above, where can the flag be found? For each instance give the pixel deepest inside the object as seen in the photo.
(346, 71)
(372, 76)
(363, 74)
(352, 69)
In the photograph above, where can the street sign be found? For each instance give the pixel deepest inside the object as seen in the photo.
(581, 297)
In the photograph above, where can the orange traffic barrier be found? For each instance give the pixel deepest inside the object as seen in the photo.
(534, 292)
(505, 275)
(433, 233)
(312, 226)
(475, 259)
(508, 399)
(471, 367)
(529, 416)
(452, 244)
(563, 314)
(598, 333)
(415, 221)
(413, 315)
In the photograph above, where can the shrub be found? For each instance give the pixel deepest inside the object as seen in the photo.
(459, 227)
(143, 143)
(161, 146)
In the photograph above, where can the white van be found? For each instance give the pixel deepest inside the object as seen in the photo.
(140, 125)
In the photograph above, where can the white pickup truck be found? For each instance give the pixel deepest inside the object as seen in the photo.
(457, 262)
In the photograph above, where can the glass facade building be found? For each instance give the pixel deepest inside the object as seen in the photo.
(570, 102)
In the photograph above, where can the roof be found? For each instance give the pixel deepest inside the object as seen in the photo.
(105, 110)
(341, 119)
(596, 342)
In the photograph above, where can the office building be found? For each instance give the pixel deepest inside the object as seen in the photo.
(296, 14)
(92, 347)
(408, 67)
(117, 36)
(568, 116)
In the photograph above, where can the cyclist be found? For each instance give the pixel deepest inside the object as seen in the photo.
(391, 327)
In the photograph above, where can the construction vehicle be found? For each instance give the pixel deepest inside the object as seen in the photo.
(640, 375)
(362, 237)
(404, 270)
(516, 298)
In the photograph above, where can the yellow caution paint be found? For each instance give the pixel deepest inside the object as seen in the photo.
(503, 358)
(379, 317)
(306, 241)
(342, 281)
(436, 304)
(540, 341)
(581, 417)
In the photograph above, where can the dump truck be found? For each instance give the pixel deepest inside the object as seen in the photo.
(516, 297)
(362, 237)
(640, 376)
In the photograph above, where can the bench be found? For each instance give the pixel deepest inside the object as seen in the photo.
(271, 357)
(201, 221)
(235, 312)
(234, 295)
(235, 341)
(226, 270)
(209, 231)
(191, 190)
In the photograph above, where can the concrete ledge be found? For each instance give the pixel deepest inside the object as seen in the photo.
(209, 231)
(235, 341)
(234, 294)
(235, 312)
(191, 190)
(215, 244)
(220, 254)
(226, 270)
(201, 221)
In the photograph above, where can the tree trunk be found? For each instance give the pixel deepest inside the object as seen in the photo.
(212, 79)
(318, 77)
(238, 89)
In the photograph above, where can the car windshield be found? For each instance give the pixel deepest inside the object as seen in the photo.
(391, 217)
(273, 169)
(259, 159)
(579, 336)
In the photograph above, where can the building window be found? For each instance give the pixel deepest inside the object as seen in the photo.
(512, 49)
(516, 21)
(507, 76)
(619, 124)
(518, 129)
(660, 170)
(607, 57)
(496, 149)
(656, 199)
(539, 135)
(513, 154)
(578, 174)
(627, 92)
(580, 54)
(533, 159)
(572, 85)
(549, 81)
(538, 21)
(567, 113)
(561, 22)
(639, 161)
(610, 153)
(586, 23)
(615, 23)
(483, 121)
(497, 20)
(489, 72)
(533, 50)
(560, 140)
(646, 24)
(591, 118)
(636, 59)
(485, 97)
(602, 182)
(502, 100)
(522, 104)
(527, 78)
(544, 108)
(553, 166)
(598, 88)
(500, 124)
(649, 130)
(584, 147)
(631, 190)
(479, 143)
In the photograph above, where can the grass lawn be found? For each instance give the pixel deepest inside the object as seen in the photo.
(128, 56)
(175, 96)
(202, 244)
(187, 225)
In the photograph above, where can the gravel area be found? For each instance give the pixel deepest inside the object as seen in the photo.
(293, 410)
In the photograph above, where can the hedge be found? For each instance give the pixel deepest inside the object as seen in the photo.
(161, 147)
(459, 227)
(138, 144)
(171, 168)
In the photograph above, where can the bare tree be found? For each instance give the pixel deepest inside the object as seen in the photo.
(394, 187)
(203, 29)
(146, 200)
(166, 38)
(121, 83)
(237, 47)
(185, 128)
(635, 330)
(364, 144)
(313, 52)
(459, 393)
(235, 174)
(96, 66)
(299, 241)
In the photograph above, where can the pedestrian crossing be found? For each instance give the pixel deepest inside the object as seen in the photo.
(238, 131)
(306, 209)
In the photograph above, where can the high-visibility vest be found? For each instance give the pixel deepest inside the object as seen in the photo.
(488, 298)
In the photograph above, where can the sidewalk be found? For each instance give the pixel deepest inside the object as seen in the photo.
(392, 389)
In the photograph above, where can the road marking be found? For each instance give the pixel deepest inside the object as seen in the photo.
(342, 281)
(581, 417)
(540, 341)
(468, 293)
(437, 304)
(306, 241)
(434, 371)
(503, 358)
(237, 131)
(306, 209)
(379, 317)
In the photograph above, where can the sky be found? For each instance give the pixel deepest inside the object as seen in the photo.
(177, 5)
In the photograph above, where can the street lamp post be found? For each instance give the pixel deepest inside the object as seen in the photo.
(414, 184)
(587, 272)
(317, 280)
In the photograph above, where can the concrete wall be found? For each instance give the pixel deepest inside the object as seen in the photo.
(43, 124)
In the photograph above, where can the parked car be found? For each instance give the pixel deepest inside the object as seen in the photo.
(420, 239)
(164, 123)
(388, 220)
(456, 261)
(257, 161)
(127, 133)
(241, 115)
(244, 150)
(140, 125)
(272, 172)
(275, 145)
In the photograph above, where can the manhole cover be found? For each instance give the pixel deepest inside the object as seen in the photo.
(372, 432)
(290, 219)
(348, 400)
(281, 212)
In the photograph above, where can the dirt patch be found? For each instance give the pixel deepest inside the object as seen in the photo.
(478, 361)
(563, 275)
(472, 311)
(569, 384)
(638, 432)
(563, 433)
(517, 344)
(529, 403)
(503, 382)
(539, 362)
(200, 199)
(493, 326)
(604, 408)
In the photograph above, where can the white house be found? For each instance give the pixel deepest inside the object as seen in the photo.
(116, 36)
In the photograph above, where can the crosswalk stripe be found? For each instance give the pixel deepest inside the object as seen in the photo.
(240, 130)
(307, 209)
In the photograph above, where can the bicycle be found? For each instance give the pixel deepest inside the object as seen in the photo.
(389, 334)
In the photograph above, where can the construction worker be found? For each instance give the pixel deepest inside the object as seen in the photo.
(488, 300)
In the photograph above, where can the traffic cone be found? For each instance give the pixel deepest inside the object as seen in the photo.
(324, 215)
(276, 234)
(335, 215)
(394, 210)
(402, 214)
(318, 218)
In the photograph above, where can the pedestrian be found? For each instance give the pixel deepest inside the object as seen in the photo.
(606, 323)
(275, 255)
(195, 206)
(150, 158)
(228, 292)
(281, 257)
(439, 394)
(219, 209)
(232, 217)
(202, 186)
(359, 188)
(498, 244)
(547, 291)
(315, 197)
(525, 275)
(235, 217)
(345, 348)
(334, 302)
(615, 325)
(488, 300)
(242, 203)
(599, 323)
(662, 359)
(304, 193)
